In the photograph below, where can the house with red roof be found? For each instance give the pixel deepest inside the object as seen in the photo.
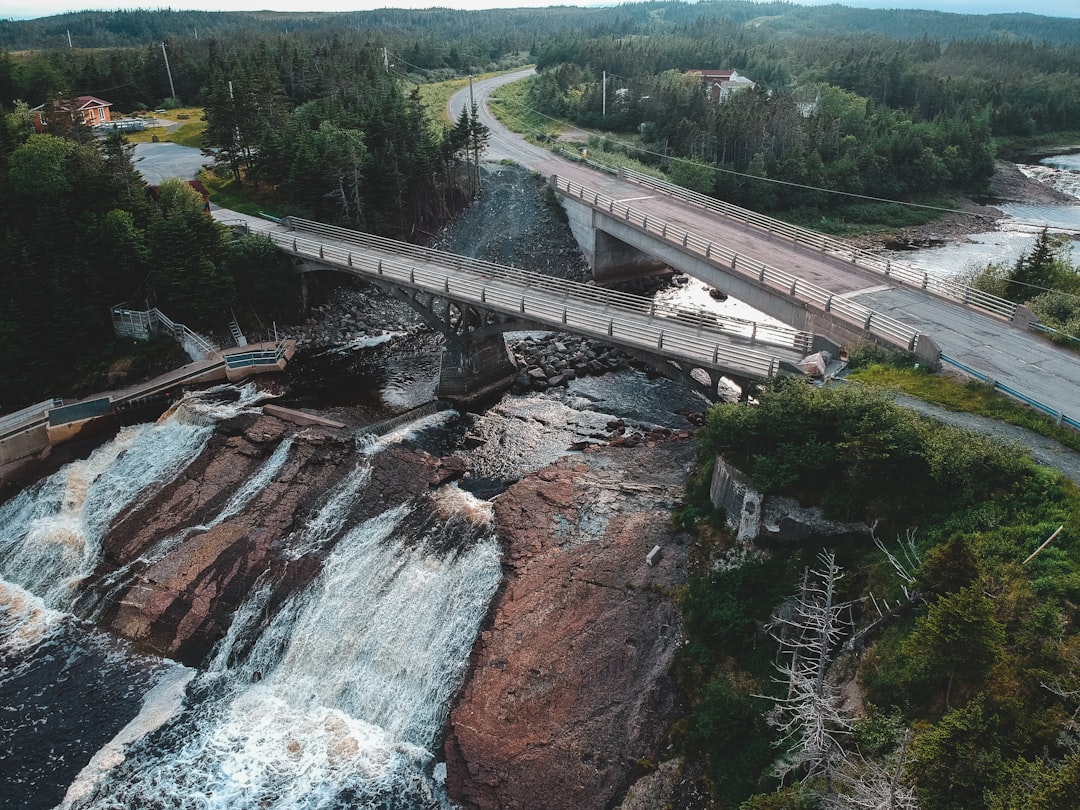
(87, 109)
(719, 84)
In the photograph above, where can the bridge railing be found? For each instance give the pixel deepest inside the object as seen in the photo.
(896, 271)
(699, 318)
(870, 321)
(544, 300)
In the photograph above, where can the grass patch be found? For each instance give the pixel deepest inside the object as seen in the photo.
(1046, 143)
(227, 193)
(188, 133)
(969, 396)
(436, 97)
(511, 107)
(863, 218)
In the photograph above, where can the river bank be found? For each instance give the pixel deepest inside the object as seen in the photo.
(973, 215)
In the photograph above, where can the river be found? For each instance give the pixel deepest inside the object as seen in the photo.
(335, 699)
(1016, 231)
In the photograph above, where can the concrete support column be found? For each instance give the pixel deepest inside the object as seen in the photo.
(472, 369)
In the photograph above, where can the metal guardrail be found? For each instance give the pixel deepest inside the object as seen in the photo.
(870, 321)
(139, 324)
(183, 335)
(78, 411)
(256, 357)
(17, 419)
(894, 271)
(1049, 330)
(1058, 416)
(636, 321)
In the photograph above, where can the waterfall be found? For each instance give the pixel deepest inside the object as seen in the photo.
(332, 696)
(50, 533)
(339, 700)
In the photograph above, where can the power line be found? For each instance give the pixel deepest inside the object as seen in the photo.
(718, 169)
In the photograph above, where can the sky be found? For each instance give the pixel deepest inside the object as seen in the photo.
(25, 9)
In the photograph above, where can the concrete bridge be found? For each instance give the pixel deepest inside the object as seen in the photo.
(996, 341)
(473, 302)
(620, 240)
(827, 286)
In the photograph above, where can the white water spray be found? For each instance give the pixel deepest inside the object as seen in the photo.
(51, 533)
(344, 693)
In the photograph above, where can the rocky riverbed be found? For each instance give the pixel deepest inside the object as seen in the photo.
(974, 214)
(570, 690)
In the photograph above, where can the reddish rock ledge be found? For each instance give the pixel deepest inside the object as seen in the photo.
(569, 689)
(170, 581)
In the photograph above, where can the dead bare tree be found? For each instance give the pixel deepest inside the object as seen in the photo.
(867, 784)
(905, 561)
(809, 718)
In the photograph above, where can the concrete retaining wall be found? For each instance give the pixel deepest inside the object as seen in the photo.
(772, 519)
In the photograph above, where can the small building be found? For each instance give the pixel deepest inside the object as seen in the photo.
(88, 110)
(719, 84)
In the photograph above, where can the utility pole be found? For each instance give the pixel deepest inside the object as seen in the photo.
(385, 61)
(172, 90)
(604, 85)
(69, 38)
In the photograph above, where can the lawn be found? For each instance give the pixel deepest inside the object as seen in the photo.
(192, 124)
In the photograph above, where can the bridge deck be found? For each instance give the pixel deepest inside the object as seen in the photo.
(1033, 368)
(691, 339)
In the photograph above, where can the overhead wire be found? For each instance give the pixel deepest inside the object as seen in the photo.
(720, 170)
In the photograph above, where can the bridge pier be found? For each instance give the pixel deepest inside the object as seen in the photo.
(610, 258)
(474, 367)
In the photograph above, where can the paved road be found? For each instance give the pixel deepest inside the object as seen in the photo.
(1016, 358)
(159, 161)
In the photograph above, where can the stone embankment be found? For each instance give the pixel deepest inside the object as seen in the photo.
(550, 361)
(570, 695)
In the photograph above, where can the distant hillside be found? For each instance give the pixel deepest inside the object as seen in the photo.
(516, 28)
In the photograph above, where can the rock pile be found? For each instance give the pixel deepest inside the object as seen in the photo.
(550, 361)
(354, 312)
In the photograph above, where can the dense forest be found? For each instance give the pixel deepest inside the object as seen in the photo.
(899, 105)
(517, 29)
(81, 233)
(323, 127)
(861, 115)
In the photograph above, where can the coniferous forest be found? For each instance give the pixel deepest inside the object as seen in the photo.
(968, 668)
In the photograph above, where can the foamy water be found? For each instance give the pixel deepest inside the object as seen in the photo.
(340, 699)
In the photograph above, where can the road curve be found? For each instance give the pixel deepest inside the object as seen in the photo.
(1013, 357)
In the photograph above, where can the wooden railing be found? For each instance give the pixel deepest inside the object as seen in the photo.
(867, 320)
(894, 271)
